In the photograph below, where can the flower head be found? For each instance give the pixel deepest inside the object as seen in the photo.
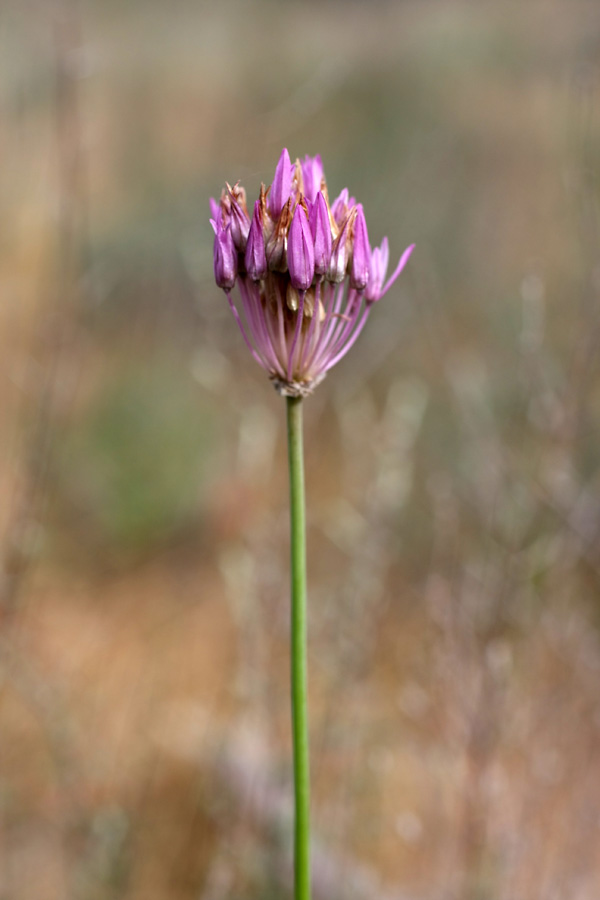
(305, 271)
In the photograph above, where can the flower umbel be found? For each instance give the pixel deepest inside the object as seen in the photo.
(306, 274)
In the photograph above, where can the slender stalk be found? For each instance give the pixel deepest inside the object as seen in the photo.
(298, 651)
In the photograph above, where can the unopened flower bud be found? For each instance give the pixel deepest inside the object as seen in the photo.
(297, 188)
(361, 252)
(340, 251)
(312, 172)
(240, 221)
(300, 253)
(377, 270)
(276, 247)
(339, 208)
(224, 257)
(282, 185)
(321, 232)
(255, 258)
(215, 209)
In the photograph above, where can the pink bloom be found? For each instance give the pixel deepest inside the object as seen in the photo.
(361, 253)
(240, 223)
(301, 251)
(224, 255)
(306, 274)
(312, 174)
(255, 258)
(282, 185)
(321, 232)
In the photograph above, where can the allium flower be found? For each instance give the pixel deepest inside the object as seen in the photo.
(305, 271)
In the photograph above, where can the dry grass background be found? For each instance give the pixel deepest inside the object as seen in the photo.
(452, 458)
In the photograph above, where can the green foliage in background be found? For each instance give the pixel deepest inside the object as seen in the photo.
(132, 469)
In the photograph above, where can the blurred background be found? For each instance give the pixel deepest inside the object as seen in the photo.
(452, 457)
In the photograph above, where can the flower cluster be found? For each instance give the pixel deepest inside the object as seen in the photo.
(306, 274)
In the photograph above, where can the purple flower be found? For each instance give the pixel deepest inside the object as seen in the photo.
(301, 251)
(215, 209)
(320, 227)
(361, 253)
(276, 246)
(224, 256)
(282, 185)
(240, 222)
(312, 174)
(255, 259)
(306, 275)
(378, 268)
(340, 251)
(339, 208)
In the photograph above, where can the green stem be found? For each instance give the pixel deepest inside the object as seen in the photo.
(298, 654)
